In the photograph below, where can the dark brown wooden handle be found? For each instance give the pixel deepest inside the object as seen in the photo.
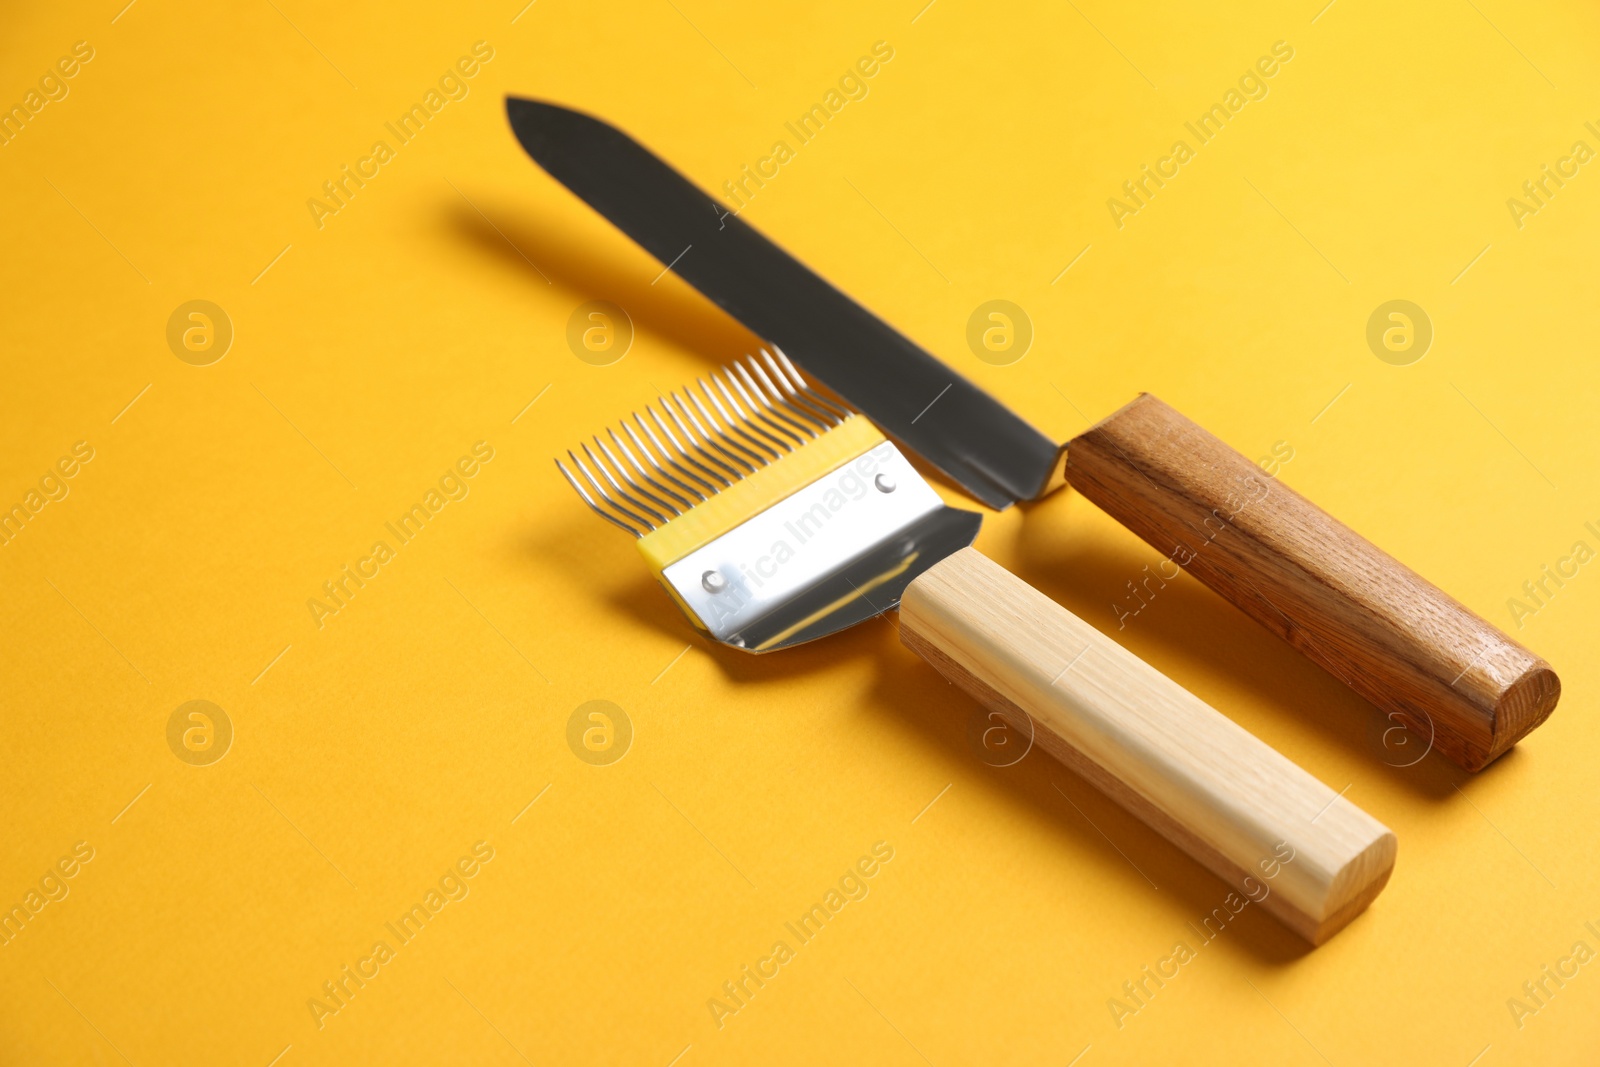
(1370, 621)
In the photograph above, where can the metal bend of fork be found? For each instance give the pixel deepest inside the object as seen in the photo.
(806, 414)
(695, 441)
(711, 439)
(765, 451)
(801, 402)
(678, 455)
(752, 421)
(841, 411)
(792, 372)
(617, 466)
(684, 455)
(622, 446)
(594, 483)
(656, 463)
(798, 398)
(714, 437)
(767, 399)
(736, 438)
(596, 508)
(786, 365)
(671, 456)
(783, 397)
(760, 410)
(623, 493)
(722, 431)
(635, 502)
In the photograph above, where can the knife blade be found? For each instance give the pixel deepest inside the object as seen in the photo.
(966, 434)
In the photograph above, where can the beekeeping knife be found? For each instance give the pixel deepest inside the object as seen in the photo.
(1446, 674)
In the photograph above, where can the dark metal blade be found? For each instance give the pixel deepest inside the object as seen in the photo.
(964, 432)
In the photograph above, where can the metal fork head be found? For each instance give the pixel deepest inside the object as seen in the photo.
(695, 445)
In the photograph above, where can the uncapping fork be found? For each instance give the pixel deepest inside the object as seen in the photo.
(774, 516)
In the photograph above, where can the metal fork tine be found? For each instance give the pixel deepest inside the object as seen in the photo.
(838, 410)
(683, 453)
(805, 418)
(694, 444)
(594, 483)
(617, 466)
(797, 399)
(671, 455)
(767, 397)
(641, 505)
(587, 499)
(708, 439)
(761, 407)
(751, 420)
(694, 440)
(764, 452)
(721, 432)
(656, 462)
(680, 504)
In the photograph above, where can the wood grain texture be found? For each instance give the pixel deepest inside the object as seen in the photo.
(1363, 616)
(1210, 787)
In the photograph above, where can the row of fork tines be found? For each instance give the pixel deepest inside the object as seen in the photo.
(694, 445)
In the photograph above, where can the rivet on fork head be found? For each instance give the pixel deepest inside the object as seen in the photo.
(713, 582)
(884, 483)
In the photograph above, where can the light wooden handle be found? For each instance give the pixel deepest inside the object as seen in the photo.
(1210, 787)
(1367, 619)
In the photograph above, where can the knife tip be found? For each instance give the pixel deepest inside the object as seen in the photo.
(522, 109)
(542, 126)
(519, 108)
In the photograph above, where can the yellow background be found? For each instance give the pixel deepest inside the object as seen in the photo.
(427, 714)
